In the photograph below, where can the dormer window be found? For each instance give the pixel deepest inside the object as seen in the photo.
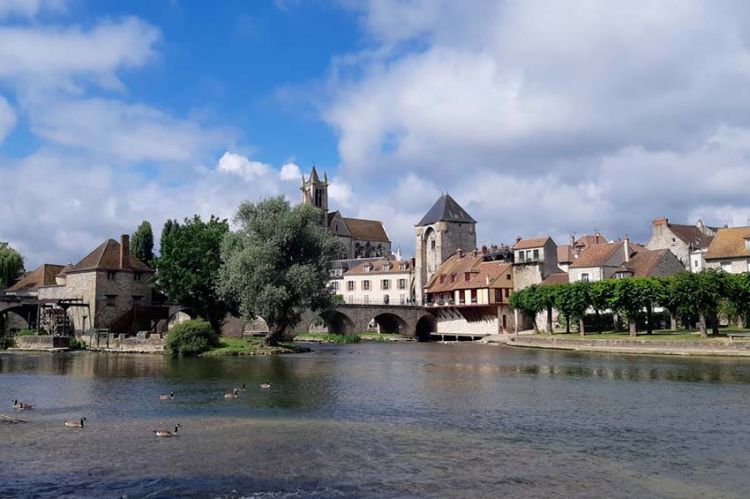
(387, 267)
(467, 276)
(403, 266)
(442, 278)
(453, 277)
(368, 267)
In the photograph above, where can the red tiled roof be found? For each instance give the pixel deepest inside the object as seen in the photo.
(729, 243)
(557, 278)
(596, 255)
(690, 234)
(536, 242)
(366, 230)
(481, 274)
(107, 257)
(44, 275)
(564, 254)
(644, 262)
(378, 267)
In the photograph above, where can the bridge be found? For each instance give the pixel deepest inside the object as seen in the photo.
(411, 321)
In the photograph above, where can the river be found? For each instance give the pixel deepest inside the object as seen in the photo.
(378, 420)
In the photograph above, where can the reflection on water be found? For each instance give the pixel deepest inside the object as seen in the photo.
(379, 420)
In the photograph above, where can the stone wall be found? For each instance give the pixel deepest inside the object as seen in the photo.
(662, 237)
(40, 342)
(123, 288)
(142, 343)
(675, 347)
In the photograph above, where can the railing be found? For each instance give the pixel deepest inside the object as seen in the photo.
(389, 302)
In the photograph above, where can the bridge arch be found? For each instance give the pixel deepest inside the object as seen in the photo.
(426, 325)
(15, 318)
(390, 323)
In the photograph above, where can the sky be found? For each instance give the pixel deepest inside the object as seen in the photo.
(538, 117)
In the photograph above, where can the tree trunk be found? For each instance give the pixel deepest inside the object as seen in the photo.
(649, 326)
(598, 322)
(567, 325)
(533, 321)
(702, 325)
(672, 321)
(740, 322)
(615, 322)
(275, 334)
(632, 326)
(715, 325)
(581, 328)
(549, 319)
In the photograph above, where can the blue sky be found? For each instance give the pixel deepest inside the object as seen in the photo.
(539, 117)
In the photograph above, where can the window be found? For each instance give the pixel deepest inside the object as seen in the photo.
(110, 300)
(473, 296)
(520, 256)
(747, 243)
(536, 254)
(528, 255)
(507, 277)
(387, 267)
(585, 277)
(726, 266)
(111, 275)
(442, 278)
(386, 299)
(350, 285)
(402, 284)
(368, 267)
(498, 295)
(467, 276)
(385, 284)
(453, 277)
(335, 285)
(365, 285)
(351, 299)
(507, 292)
(404, 266)
(137, 276)
(432, 244)
(695, 264)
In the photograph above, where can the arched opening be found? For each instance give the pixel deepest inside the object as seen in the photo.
(426, 325)
(338, 323)
(390, 324)
(14, 320)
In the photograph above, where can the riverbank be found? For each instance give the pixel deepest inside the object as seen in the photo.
(685, 344)
(230, 347)
(348, 338)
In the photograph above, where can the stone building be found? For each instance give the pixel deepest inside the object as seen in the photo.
(688, 242)
(382, 281)
(533, 260)
(359, 238)
(30, 282)
(730, 250)
(445, 229)
(469, 294)
(113, 284)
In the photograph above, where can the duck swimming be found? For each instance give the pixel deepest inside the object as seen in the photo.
(168, 433)
(72, 423)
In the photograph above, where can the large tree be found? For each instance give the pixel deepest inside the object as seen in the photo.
(572, 301)
(11, 265)
(627, 299)
(142, 243)
(529, 302)
(188, 268)
(276, 264)
(700, 294)
(600, 297)
(738, 297)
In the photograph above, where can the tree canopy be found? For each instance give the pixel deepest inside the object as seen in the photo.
(276, 264)
(11, 265)
(188, 267)
(142, 243)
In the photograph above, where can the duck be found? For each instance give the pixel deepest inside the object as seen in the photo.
(21, 406)
(168, 396)
(168, 433)
(232, 395)
(72, 423)
(265, 385)
(240, 389)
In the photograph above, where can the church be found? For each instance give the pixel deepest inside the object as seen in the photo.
(359, 238)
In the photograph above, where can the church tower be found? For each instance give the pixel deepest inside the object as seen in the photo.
(445, 229)
(315, 193)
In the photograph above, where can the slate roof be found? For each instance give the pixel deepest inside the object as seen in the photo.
(378, 267)
(446, 209)
(691, 234)
(44, 275)
(107, 257)
(729, 243)
(366, 230)
(536, 242)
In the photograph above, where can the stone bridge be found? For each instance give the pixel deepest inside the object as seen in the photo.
(18, 311)
(407, 320)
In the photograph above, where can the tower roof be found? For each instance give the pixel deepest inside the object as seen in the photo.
(446, 209)
(314, 175)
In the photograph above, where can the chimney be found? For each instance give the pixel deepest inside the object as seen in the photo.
(474, 253)
(572, 240)
(124, 250)
(484, 250)
(460, 253)
(660, 221)
(626, 247)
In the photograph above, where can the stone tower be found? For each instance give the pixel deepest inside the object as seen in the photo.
(315, 193)
(444, 229)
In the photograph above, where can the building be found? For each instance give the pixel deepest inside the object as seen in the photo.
(359, 238)
(113, 286)
(30, 282)
(689, 243)
(469, 293)
(622, 259)
(730, 250)
(567, 253)
(445, 229)
(382, 281)
(533, 260)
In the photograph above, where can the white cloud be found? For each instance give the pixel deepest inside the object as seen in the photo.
(7, 118)
(291, 172)
(30, 8)
(242, 166)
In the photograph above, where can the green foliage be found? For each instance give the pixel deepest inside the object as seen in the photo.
(76, 344)
(142, 243)
(27, 332)
(6, 343)
(188, 268)
(573, 300)
(276, 264)
(737, 291)
(191, 338)
(11, 265)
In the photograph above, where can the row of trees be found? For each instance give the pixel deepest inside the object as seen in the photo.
(275, 265)
(703, 295)
(11, 265)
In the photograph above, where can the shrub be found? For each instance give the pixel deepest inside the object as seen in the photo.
(342, 338)
(27, 332)
(76, 344)
(191, 338)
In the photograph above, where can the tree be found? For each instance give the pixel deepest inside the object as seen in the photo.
(700, 294)
(738, 297)
(188, 268)
(11, 265)
(628, 300)
(546, 299)
(665, 297)
(573, 300)
(276, 264)
(142, 243)
(529, 302)
(600, 297)
(649, 291)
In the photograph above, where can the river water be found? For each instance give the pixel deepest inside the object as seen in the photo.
(378, 420)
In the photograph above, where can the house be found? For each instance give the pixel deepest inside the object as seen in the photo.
(359, 238)
(650, 263)
(567, 253)
(622, 259)
(113, 286)
(30, 282)
(469, 293)
(380, 281)
(689, 243)
(533, 260)
(730, 250)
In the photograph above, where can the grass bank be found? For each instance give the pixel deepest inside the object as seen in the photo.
(346, 338)
(667, 335)
(251, 346)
